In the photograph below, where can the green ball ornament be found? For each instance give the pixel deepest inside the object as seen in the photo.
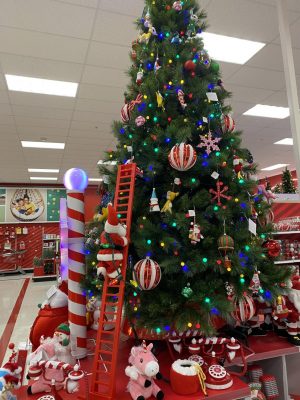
(187, 291)
(215, 67)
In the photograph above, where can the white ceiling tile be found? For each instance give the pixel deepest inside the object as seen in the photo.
(109, 28)
(228, 69)
(7, 128)
(4, 96)
(104, 76)
(41, 122)
(40, 68)
(131, 7)
(5, 109)
(100, 92)
(293, 5)
(42, 112)
(109, 55)
(248, 94)
(278, 99)
(7, 120)
(38, 132)
(83, 3)
(42, 45)
(104, 131)
(98, 106)
(258, 78)
(269, 57)
(91, 116)
(40, 100)
(39, 16)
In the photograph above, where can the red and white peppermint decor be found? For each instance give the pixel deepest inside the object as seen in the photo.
(128, 107)
(244, 308)
(147, 273)
(140, 120)
(76, 262)
(182, 157)
(228, 124)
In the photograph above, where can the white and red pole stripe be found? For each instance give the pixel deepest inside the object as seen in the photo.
(76, 262)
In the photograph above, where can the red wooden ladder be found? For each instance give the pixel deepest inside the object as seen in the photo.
(107, 344)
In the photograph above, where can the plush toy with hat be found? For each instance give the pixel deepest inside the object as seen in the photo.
(112, 241)
(293, 305)
(53, 312)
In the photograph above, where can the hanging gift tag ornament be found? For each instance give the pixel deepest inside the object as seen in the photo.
(181, 100)
(252, 226)
(215, 175)
(204, 119)
(182, 157)
(140, 121)
(212, 96)
(209, 142)
(187, 291)
(154, 206)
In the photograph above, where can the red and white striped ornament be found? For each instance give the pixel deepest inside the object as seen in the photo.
(182, 157)
(140, 120)
(180, 95)
(228, 124)
(147, 273)
(76, 262)
(125, 113)
(244, 308)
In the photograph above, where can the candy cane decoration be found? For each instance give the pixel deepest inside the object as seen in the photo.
(75, 181)
(181, 100)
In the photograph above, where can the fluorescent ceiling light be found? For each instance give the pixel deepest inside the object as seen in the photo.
(261, 110)
(41, 86)
(50, 171)
(43, 145)
(286, 141)
(276, 166)
(95, 179)
(101, 162)
(230, 49)
(43, 178)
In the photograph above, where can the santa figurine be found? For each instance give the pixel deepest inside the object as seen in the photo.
(54, 311)
(195, 233)
(112, 241)
(238, 166)
(293, 305)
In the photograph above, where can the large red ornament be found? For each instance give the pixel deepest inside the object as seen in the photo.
(228, 124)
(182, 157)
(272, 247)
(244, 308)
(189, 65)
(147, 273)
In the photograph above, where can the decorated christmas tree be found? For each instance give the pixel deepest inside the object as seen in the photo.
(194, 252)
(287, 182)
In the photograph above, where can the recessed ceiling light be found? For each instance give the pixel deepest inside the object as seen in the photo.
(261, 110)
(41, 86)
(101, 162)
(43, 145)
(241, 50)
(50, 171)
(276, 166)
(43, 178)
(286, 141)
(95, 179)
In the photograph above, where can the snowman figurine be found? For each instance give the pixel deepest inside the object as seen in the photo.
(72, 382)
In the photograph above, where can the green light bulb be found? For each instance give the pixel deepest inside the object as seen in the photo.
(174, 224)
(149, 241)
(156, 149)
(242, 280)
(218, 154)
(247, 248)
(204, 260)
(130, 136)
(193, 180)
(216, 208)
(207, 300)
(155, 119)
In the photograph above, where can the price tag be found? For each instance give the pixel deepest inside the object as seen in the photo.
(212, 96)
(205, 120)
(191, 213)
(51, 291)
(129, 149)
(252, 226)
(215, 175)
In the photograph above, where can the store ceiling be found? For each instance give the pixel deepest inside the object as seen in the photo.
(88, 41)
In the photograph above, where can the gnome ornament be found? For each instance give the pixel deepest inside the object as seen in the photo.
(154, 206)
(112, 241)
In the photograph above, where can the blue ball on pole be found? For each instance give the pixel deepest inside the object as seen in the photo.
(76, 179)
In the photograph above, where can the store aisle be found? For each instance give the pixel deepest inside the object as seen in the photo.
(29, 297)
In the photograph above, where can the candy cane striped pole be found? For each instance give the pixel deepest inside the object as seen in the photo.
(75, 181)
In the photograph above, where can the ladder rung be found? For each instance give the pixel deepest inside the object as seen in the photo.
(108, 322)
(111, 304)
(102, 383)
(107, 341)
(105, 352)
(124, 183)
(112, 294)
(123, 190)
(123, 198)
(107, 332)
(110, 313)
(103, 362)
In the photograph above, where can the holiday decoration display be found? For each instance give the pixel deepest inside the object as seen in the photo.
(140, 120)
(157, 65)
(10, 376)
(220, 193)
(256, 393)
(187, 377)
(225, 243)
(238, 166)
(182, 157)
(147, 273)
(217, 377)
(160, 100)
(190, 66)
(177, 5)
(181, 100)
(171, 196)
(195, 233)
(255, 286)
(244, 308)
(255, 371)
(53, 312)
(270, 388)
(287, 182)
(154, 206)
(128, 107)
(109, 256)
(228, 124)
(142, 371)
(272, 248)
(293, 305)
(75, 181)
(139, 76)
(209, 142)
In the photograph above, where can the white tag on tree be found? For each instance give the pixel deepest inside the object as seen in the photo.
(252, 226)
(212, 96)
(215, 175)
(129, 149)
(51, 291)
(191, 213)
(205, 120)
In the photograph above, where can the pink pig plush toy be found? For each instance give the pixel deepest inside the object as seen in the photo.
(142, 371)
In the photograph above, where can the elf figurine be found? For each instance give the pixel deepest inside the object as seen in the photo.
(112, 241)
